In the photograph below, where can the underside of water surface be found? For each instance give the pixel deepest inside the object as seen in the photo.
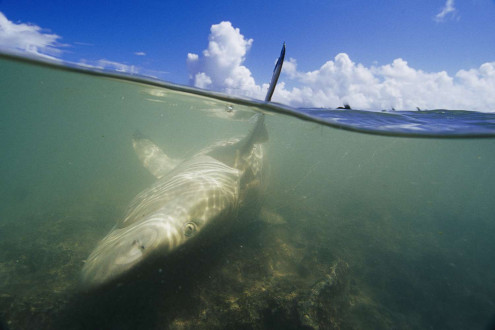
(355, 231)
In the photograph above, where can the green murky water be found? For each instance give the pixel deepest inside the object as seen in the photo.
(356, 231)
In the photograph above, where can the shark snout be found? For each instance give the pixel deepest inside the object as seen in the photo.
(124, 248)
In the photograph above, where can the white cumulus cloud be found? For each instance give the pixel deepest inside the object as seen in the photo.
(220, 66)
(28, 38)
(448, 10)
(394, 85)
(340, 80)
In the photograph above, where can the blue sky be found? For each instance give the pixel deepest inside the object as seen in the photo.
(373, 54)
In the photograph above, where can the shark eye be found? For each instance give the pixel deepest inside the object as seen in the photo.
(190, 229)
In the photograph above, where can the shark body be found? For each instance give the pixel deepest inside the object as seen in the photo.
(205, 191)
(190, 198)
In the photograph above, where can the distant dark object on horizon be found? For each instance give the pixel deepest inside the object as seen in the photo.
(346, 106)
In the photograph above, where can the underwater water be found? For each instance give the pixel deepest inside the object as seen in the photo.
(355, 231)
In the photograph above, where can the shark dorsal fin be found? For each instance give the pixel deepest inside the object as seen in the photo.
(276, 74)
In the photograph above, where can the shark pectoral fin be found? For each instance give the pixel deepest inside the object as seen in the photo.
(271, 217)
(151, 156)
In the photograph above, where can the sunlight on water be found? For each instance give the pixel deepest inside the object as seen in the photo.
(354, 231)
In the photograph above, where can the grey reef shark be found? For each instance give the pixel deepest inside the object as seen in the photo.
(204, 193)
